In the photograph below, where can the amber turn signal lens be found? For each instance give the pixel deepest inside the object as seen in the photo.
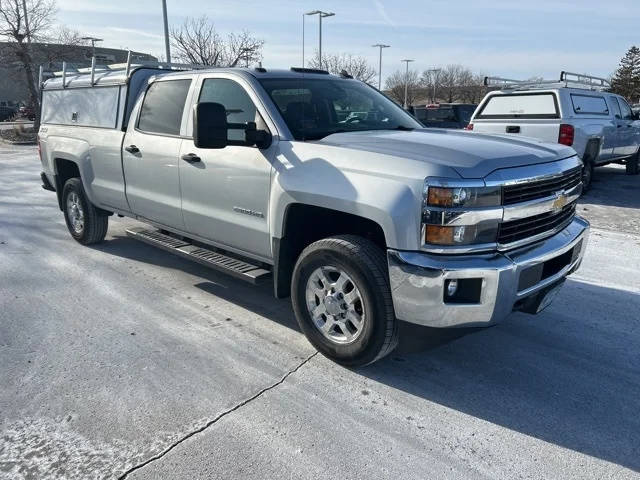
(439, 235)
(440, 197)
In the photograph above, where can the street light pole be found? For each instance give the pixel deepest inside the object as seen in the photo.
(406, 82)
(434, 70)
(321, 15)
(93, 41)
(380, 46)
(166, 31)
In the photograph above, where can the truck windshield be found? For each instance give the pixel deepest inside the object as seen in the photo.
(315, 108)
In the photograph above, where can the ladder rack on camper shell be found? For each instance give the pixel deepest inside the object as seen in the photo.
(69, 71)
(567, 80)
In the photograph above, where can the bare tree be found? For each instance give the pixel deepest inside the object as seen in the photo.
(475, 90)
(430, 80)
(63, 44)
(395, 86)
(357, 67)
(14, 30)
(197, 41)
(450, 82)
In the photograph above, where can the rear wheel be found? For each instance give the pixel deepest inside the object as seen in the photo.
(633, 164)
(590, 154)
(587, 175)
(342, 300)
(85, 222)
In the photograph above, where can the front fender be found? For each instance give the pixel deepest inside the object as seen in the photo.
(392, 203)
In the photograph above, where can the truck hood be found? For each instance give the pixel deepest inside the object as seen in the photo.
(471, 155)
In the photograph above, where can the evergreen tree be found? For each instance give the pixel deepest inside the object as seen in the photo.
(626, 80)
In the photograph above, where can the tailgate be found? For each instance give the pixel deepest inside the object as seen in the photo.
(547, 131)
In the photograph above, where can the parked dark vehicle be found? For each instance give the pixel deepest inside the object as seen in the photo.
(445, 115)
(27, 112)
(6, 111)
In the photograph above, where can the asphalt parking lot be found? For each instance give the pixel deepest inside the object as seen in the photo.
(122, 361)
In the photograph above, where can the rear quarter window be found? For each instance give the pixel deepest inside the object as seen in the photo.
(518, 105)
(589, 104)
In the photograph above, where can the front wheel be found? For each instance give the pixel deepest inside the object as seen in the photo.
(342, 300)
(85, 222)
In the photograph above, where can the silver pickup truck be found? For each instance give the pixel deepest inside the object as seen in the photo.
(576, 110)
(363, 219)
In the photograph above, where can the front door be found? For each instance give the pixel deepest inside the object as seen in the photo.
(225, 195)
(151, 152)
(627, 142)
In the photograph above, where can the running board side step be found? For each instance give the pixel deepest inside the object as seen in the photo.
(218, 261)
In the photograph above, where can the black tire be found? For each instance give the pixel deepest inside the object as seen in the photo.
(633, 165)
(94, 224)
(365, 264)
(587, 175)
(590, 154)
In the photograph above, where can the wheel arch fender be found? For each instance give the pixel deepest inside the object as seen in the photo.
(300, 218)
(69, 158)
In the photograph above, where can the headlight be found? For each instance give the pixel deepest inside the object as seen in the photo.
(460, 215)
(463, 196)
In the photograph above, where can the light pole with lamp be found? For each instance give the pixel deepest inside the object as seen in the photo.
(434, 71)
(380, 46)
(406, 81)
(93, 41)
(321, 15)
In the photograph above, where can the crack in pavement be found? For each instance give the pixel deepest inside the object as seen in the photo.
(211, 422)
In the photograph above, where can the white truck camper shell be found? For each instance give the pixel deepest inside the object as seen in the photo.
(99, 96)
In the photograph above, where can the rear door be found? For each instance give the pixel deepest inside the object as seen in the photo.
(528, 114)
(628, 130)
(151, 150)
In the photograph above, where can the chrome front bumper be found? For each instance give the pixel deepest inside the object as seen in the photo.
(418, 279)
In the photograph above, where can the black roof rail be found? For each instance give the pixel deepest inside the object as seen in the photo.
(260, 69)
(309, 70)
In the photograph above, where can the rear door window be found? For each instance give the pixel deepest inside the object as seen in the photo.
(533, 105)
(163, 106)
(589, 104)
(613, 104)
(627, 113)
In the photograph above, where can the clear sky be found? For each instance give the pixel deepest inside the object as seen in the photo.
(511, 38)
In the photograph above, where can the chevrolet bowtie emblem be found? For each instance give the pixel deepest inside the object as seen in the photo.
(560, 201)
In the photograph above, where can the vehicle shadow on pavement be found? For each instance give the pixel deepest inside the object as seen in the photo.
(258, 299)
(613, 187)
(570, 376)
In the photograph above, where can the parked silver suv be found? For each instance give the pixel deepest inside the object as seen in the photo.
(321, 185)
(575, 111)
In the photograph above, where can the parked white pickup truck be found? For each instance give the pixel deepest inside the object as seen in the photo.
(363, 219)
(575, 111)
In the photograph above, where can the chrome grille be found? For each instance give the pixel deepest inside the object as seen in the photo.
(530, 227)
(524, 192)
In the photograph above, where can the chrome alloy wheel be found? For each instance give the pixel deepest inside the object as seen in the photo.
(75, 212)
(335, 304)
